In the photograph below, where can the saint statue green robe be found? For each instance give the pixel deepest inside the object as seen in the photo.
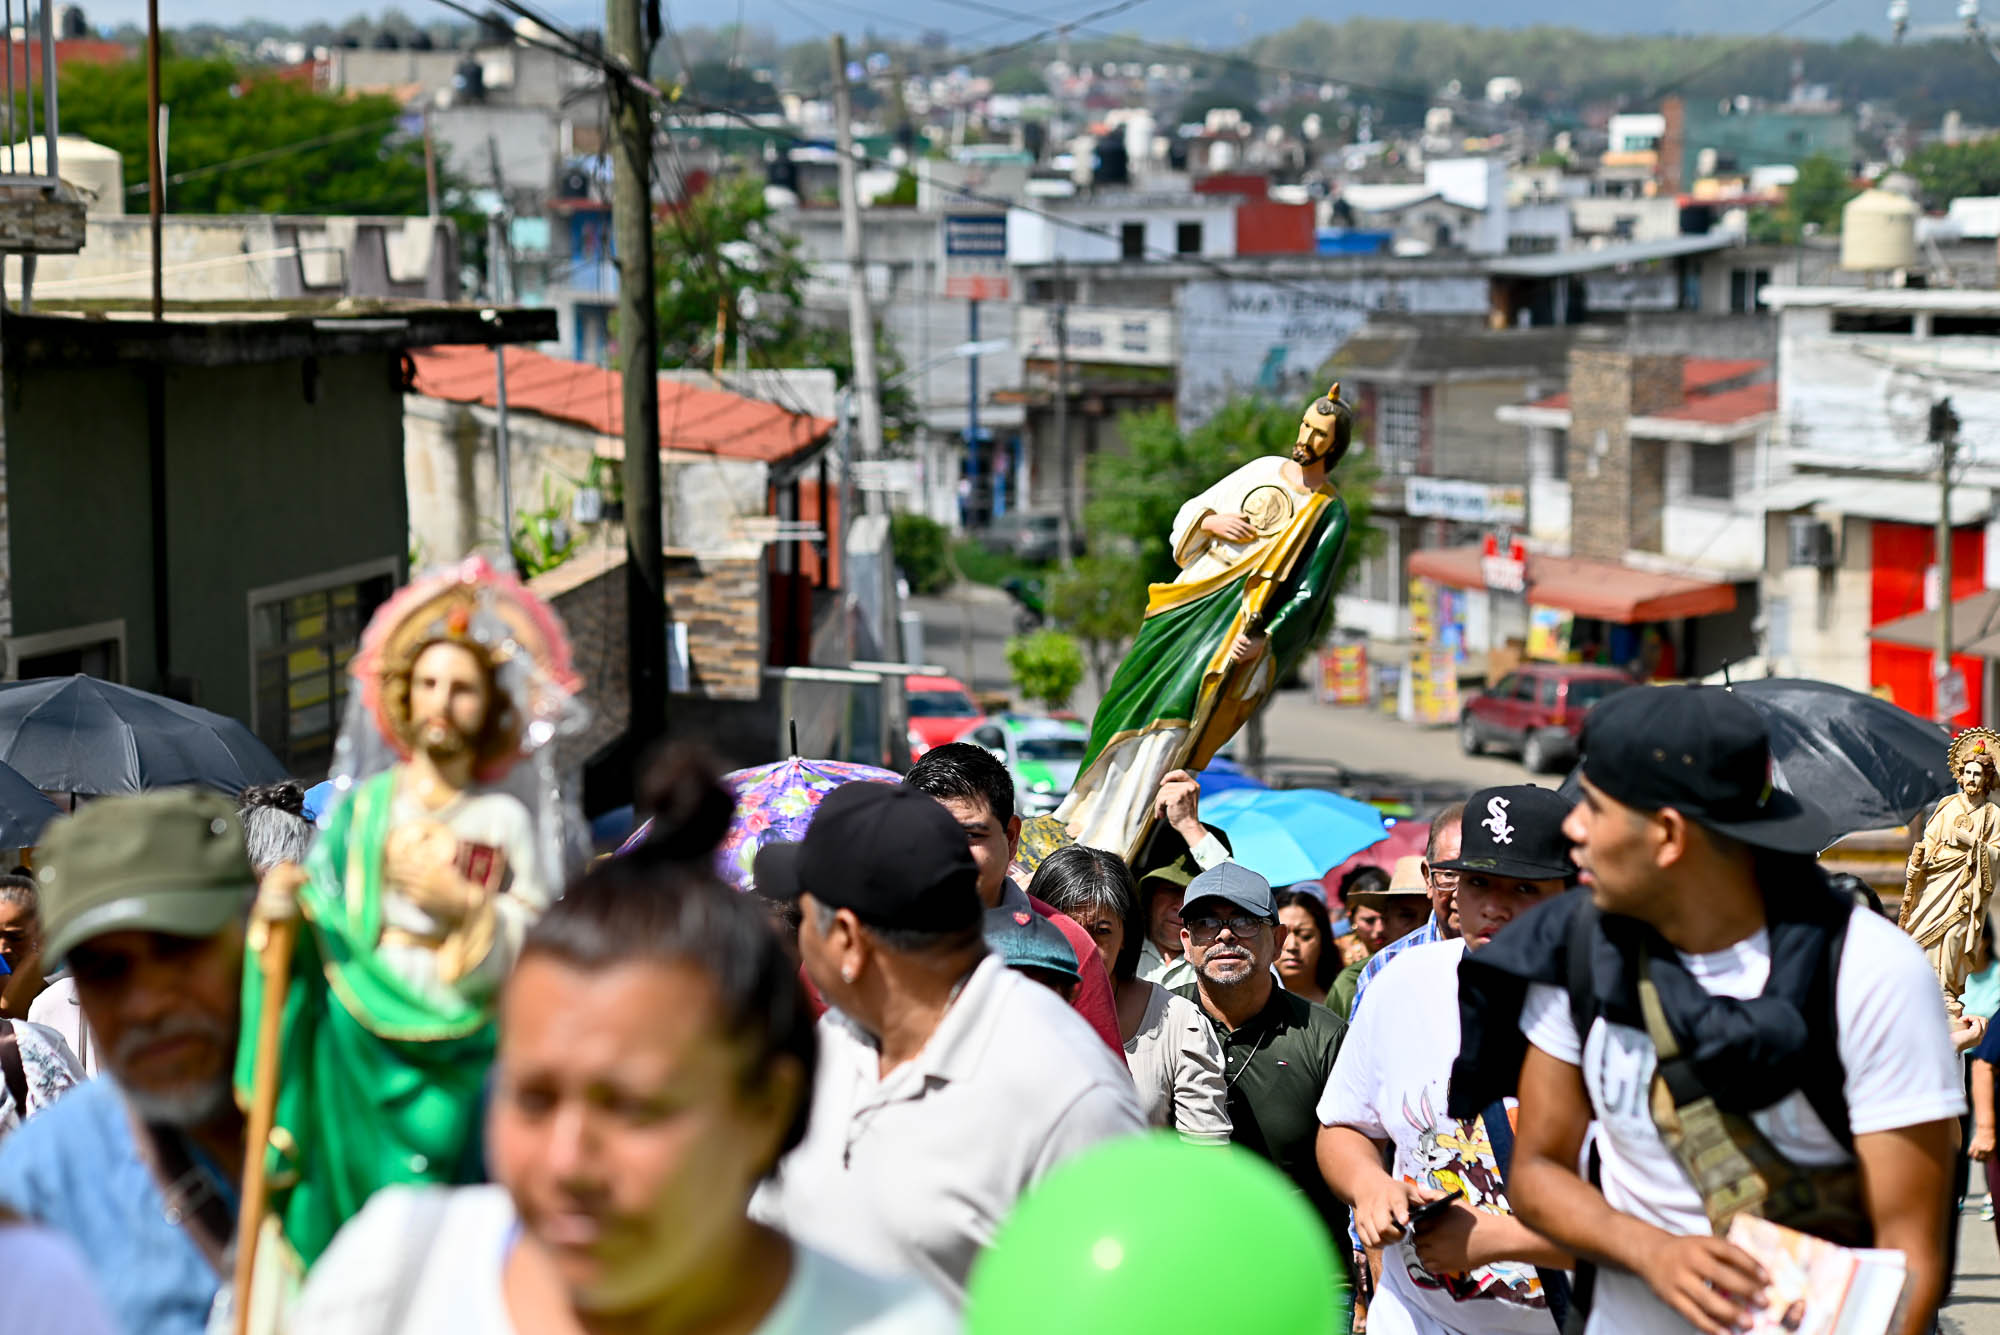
(1176, 697)
(379, 1083)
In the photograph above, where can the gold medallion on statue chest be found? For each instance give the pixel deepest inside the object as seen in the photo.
(1267, 508)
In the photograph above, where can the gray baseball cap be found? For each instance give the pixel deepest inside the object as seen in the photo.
(1236, 883)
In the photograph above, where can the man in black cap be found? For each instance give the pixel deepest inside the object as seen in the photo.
(1472, 1266)
(947, 1083)
(1746, 1040)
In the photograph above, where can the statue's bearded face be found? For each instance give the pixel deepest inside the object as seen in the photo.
(1312, 443)
(1975, 778)
(450, 696)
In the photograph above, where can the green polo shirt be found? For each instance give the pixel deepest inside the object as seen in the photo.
(1277, 1066)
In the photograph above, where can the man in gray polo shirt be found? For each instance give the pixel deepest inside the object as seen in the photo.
(947, 1084)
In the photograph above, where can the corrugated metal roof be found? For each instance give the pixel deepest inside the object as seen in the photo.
(1558, 263)
(693, 419)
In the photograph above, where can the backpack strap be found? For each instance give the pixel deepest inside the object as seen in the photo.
(1582, 944)
(1500, 1134)
(13, 1069)
(1824, 1079)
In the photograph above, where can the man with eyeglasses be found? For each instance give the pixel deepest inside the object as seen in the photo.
(1278, 1048)
(1442, 846)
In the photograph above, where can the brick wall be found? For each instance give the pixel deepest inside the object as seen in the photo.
(1649, 494)
(719, 598)
(1600, 389)
(1616, 491)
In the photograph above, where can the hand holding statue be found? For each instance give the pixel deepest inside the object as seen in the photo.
(1179, 805)
(278, 893)
(1247, 646)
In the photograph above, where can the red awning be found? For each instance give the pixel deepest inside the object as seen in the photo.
(1600, 589)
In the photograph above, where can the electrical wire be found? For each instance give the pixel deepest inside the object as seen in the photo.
(270, 154)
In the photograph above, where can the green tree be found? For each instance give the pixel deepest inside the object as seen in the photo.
(1956, 171)
(1046, 665)
(326, 154)
(1818, 195)
(1099, 601)
(920, 544)
(723, 243)
(1134, 496)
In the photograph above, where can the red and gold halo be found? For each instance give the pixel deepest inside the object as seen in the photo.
(1973, 743)
(488, 609)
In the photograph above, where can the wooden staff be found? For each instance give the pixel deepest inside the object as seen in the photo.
(274, 961)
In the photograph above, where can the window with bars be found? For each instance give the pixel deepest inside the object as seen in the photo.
(301, 639)
(1398, 430)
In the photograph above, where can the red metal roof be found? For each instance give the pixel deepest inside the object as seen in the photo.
(1698, 376)
(1600, 589)
(701, 421)
(1731, 405)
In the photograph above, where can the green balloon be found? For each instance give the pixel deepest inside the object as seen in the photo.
(1146, 1233)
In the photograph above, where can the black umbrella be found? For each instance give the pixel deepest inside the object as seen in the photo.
(24, 810)
(1867, 763)
(81, 735)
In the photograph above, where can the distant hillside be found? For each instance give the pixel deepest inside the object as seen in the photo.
(1570, 66)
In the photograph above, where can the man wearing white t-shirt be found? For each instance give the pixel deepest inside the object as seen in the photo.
(1473, 1267)
(1808, 1022)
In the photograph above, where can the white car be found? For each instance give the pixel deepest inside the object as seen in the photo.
(1041, 753)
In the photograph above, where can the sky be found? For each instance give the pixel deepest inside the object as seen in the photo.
(1176, 19)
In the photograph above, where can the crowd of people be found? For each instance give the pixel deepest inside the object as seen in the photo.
(1524, 1080)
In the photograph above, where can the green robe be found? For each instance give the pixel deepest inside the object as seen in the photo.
(378, 1086)
(1172, 668)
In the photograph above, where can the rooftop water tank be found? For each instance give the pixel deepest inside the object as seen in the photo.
(1878, 231)
(96, 172)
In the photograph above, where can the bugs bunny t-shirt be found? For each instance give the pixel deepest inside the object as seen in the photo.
(1389, 1083)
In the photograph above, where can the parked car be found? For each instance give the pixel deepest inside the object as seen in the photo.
(1031, 535)
(1537, 712)
(1041, 753)
(940, 707)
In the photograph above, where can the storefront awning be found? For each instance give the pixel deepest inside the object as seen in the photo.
(1604, 590)
(1975, 626)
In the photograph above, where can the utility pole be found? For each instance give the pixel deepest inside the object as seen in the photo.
(1066, 518)
(498, 291)
(632, 220)
(1944, 433)
(860, 323)
(155, 168)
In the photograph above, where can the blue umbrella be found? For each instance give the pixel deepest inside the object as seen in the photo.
(1294, 834)
(1224, 775)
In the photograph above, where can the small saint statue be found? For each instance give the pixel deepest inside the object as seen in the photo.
(1949, 882)
(425, 875)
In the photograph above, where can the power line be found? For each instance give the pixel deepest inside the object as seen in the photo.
(269, 154)
(1657, 93)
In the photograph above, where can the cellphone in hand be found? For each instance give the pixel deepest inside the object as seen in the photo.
(1429, 1210)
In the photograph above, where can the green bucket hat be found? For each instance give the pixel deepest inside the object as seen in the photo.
(170, 861)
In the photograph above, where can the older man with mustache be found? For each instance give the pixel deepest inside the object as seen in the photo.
(146, 898)
(1278, 1048)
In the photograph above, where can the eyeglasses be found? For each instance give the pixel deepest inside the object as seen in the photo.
(1444, 880)
(1208, 926)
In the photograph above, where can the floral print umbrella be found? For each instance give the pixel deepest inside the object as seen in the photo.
(774, 803)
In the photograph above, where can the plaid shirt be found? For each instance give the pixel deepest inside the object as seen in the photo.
(1430, 931)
